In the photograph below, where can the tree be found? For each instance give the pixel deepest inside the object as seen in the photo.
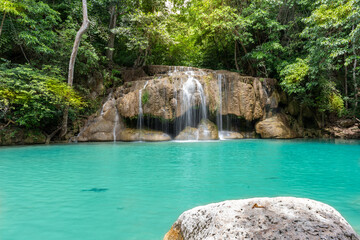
(7, 7)
(82, 30)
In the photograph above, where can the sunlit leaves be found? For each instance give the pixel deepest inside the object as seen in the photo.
(32, 97)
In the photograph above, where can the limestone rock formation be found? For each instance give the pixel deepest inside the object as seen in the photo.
(130, 135)
(105, 127)
(241, 96)
(182, 100)
(262, 218)
(275, 127)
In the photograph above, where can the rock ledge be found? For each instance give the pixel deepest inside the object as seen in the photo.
(262, 218)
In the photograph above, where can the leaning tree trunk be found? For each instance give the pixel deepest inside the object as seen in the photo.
(2, 23)
(82, 30)
(111, 43)
(235, 58)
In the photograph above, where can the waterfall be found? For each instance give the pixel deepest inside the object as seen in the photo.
(219, 120)
(192, 96)
(116, 122)
(141, 114)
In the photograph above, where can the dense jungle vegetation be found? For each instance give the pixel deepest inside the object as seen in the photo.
(311, 47)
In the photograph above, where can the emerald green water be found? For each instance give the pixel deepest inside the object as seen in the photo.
(137, 190)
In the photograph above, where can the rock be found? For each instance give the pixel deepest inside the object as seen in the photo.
(275, 127)
(95, 83)
(18, 136)
(346, 123)
(101, 128)
(293, 108)
(189, 133)
(131, 74)
(262, 218)
(230, 135)
(352, 132)
(174, 234)
(34, 137)
(241, 96)
(130, 135)
(166, 99)
(208, 130)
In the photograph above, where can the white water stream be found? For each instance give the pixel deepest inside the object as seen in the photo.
(141, 113)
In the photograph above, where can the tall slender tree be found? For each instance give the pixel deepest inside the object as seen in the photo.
(84, 27)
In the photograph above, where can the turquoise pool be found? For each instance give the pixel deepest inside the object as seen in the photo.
(137, 190)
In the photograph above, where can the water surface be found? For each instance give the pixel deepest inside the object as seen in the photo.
(137, 190)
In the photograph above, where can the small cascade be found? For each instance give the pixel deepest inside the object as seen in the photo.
(219, 120)
(116, 121)
(141, 113)
(102, 108)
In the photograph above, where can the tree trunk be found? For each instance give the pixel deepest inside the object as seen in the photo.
(82, 30)
(354, 74)
(345, 84)
(51, 135)
(235, 54)
(2, 23)
(111, 43)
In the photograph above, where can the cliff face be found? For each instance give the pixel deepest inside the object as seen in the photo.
(176, 101)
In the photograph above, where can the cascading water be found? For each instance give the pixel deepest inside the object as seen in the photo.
(219, 120)
(116, 120)
(141, 114)
(192, 96)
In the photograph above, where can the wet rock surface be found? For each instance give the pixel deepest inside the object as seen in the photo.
(262, 218)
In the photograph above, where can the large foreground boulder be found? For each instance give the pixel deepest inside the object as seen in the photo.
(262, 218)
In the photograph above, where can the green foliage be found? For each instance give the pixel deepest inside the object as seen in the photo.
(145, 97)
(33, 99)
(293, 76)
(143, 31)
(309, 46)
(336, 103)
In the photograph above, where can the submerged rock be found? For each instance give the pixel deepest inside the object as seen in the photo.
(262, 218)
(275, 127)
(130, 135)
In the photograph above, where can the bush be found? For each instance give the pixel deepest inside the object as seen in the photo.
(34, 98)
